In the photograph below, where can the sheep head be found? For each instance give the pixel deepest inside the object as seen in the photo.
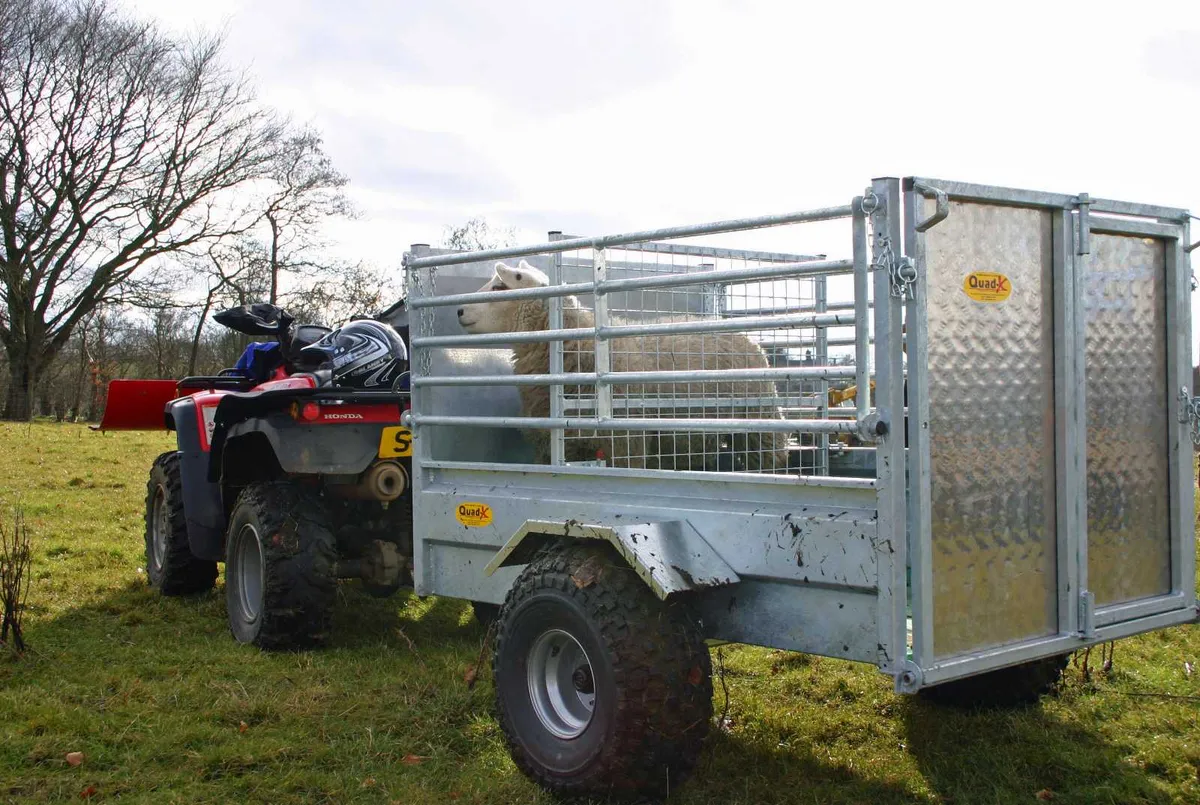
(501, 317)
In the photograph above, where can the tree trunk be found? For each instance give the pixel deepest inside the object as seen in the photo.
(274, 259)
(18, 402)
(208, 301)
(81, 375)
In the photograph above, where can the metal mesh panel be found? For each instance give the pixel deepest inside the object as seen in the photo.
(1124, 298)
(991, 424)
(752, 399)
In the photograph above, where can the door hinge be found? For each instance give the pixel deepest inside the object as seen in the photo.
(1087, 614)
(1085, 225)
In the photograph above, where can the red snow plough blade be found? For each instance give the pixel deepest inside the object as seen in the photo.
(137, 404)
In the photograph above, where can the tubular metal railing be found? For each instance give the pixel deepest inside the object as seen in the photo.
(602, 335)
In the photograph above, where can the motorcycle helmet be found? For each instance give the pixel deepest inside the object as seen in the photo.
(365, 354)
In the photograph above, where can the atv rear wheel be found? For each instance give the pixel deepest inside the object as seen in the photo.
(170, 567)
(280, 557)
(602, 689)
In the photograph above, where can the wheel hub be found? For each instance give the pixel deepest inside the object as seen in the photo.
(250, 573)
(582, 679)
(160, 528)
(561, 684)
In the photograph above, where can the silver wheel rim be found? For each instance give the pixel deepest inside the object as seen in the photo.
(160, 527)
(561, 684)
(250, 573)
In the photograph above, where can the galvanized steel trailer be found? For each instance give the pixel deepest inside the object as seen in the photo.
(1031, 428)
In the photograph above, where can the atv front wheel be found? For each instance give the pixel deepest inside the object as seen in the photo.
(602, 689)
(280, 557)
(170, 567)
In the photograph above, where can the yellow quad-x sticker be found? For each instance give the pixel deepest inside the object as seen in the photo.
(475, 515)
(395, 442)
(987, 286)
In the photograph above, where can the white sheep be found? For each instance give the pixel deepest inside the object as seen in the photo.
(750, 452)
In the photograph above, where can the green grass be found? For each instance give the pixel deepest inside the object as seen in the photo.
(167, 708)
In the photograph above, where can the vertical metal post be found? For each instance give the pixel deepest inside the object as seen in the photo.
(862, 354)
(821, 349)
(889, 452)
(1179, 377)
(420, 285)
(604, 407)
(920, 535)
(1084, 601)
(554, 309)
(1070, 429)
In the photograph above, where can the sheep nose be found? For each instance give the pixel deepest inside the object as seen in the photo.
(460, 312)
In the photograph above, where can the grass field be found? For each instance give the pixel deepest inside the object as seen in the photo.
(165, 707)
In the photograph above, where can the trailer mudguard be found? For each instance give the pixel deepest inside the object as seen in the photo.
(202, 510)
(670, 556)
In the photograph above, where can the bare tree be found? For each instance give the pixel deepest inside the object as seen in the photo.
(356, 290)
(234, 273)
(305, 190)
(117, 146)
(476, 235)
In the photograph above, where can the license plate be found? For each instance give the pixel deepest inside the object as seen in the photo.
(395, 442)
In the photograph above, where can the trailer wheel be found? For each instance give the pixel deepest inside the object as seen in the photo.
(280, 557)
(170, 567)
(601, 688)
(1016, 686)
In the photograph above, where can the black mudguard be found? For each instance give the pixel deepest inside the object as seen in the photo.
(202, 509)
(300, 448)
(304, 449)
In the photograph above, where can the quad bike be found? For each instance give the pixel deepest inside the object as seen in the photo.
(292, 468)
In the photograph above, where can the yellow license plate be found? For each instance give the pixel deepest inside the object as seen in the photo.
(395, 442)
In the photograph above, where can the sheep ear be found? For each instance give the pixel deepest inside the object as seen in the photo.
(505, 273)
(530, 276)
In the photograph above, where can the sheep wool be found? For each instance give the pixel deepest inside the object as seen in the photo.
(742, 399)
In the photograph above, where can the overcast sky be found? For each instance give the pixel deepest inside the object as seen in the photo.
(595, 117)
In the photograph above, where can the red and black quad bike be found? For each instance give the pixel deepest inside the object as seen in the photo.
(292, 468)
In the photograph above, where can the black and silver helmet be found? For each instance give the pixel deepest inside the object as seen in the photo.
(363, 354)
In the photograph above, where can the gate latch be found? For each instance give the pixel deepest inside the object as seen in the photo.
(1189, 412)
(903, 275)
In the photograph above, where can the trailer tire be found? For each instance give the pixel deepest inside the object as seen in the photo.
(627, 713)
(280, 561)
(1017, 686)
(170, 566)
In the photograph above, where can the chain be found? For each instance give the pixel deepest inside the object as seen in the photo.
(1190, 413)
(424, 316)
(902, 273)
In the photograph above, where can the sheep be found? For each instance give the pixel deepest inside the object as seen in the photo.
(666, 450)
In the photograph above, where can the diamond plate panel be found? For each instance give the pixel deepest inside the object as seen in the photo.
(1124, 300)
(991, 423)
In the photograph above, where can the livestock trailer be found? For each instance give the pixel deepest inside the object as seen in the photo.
(1017, 486)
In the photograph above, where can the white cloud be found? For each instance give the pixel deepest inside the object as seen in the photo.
(545, 114)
